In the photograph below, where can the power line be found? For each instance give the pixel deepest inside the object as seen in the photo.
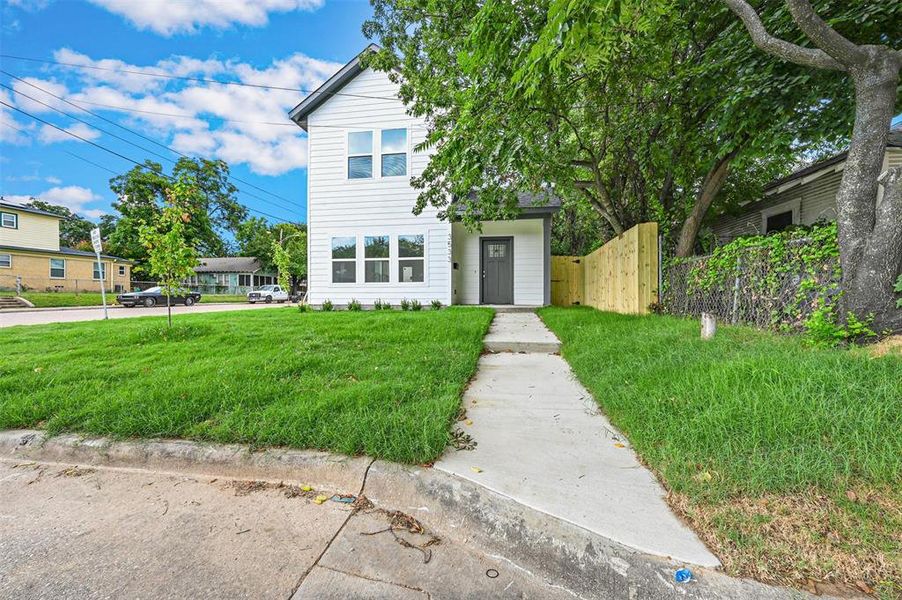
(196, 79)
(113, 152)
(173, 115)
(142, 136)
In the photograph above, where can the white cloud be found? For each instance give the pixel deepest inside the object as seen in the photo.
(189, 16)
(53, 180)
(12, 131)
(208, 119)
(32, 90)
(73, 197)
(51, 135)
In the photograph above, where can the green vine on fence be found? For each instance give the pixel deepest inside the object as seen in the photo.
(795, 273)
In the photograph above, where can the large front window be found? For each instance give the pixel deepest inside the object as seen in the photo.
(344, 260)
(394, 152)
(57, 268)
(375, 254)
(411, 258)
(360, 155)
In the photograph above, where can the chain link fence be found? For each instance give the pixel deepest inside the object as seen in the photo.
(763, 286)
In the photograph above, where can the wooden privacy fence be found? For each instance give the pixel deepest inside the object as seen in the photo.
(621, 276)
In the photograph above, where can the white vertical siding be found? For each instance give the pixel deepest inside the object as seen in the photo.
(529, 260)
(339, 207)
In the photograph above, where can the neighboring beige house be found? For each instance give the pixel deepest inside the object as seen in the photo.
(802, 198)
(31, 256)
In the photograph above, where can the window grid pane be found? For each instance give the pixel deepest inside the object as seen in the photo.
(6, 260)
(344, 247)
(394, 141)
(360, 142)
(410, 270)
(360, 167)
(99, 271)
(376, 271)
(375, 246)
(411, 246)
(394, 165)
(10, 220)
(344, 271)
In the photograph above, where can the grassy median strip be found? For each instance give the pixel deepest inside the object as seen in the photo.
(386, 384)
(786, 459)
(61, 299)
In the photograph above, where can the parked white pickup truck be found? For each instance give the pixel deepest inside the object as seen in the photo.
(268, 294)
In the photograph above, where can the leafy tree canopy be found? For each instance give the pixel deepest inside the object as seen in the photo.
(639, 109)
(214, 209)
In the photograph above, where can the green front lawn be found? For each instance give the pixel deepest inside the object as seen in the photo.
(387, 384)
(786, 459)
(60, 299)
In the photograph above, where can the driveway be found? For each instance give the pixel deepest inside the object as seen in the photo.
(43, 316)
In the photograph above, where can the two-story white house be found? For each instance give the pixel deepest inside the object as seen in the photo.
(365, 243)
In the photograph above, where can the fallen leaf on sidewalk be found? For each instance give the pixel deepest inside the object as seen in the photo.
(619, 445)
(320, 499)
(476, 469)
(469, 421)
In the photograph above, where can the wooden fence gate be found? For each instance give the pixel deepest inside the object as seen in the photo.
(621, 276)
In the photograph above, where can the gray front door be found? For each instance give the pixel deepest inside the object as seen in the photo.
(497, 270)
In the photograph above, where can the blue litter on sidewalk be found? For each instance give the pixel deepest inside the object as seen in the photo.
(682, 575)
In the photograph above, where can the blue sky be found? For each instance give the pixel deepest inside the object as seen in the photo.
(284, 43)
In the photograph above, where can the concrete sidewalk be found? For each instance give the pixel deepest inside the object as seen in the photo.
(542, 441)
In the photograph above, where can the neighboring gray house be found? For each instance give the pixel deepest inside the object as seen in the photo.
(802, 198)
(229, 275)
(364, 241)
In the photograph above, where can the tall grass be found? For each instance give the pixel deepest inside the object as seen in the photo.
(385, 384)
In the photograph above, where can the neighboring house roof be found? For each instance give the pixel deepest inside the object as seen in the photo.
(28, 209)
(67, 252)
(228, 264)
(332, 85)
(893, 141)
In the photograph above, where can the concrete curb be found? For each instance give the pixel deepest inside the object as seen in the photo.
(585, 563)
(318, 469)
(564, 554)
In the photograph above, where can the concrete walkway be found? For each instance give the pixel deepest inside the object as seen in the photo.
(542, 441)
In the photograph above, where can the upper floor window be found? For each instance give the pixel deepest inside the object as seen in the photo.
(344, 259)
(360, 155)
(9, 220)
(57, 268)
(394, 152)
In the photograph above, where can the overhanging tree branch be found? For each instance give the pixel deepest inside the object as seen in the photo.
(810, 57)
(826, 38)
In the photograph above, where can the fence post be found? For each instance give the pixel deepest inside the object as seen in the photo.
(734, 316)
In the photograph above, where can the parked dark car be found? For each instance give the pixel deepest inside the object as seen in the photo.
(155, 297)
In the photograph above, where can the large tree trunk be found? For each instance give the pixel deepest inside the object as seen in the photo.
(870, 237)
(711, 186)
